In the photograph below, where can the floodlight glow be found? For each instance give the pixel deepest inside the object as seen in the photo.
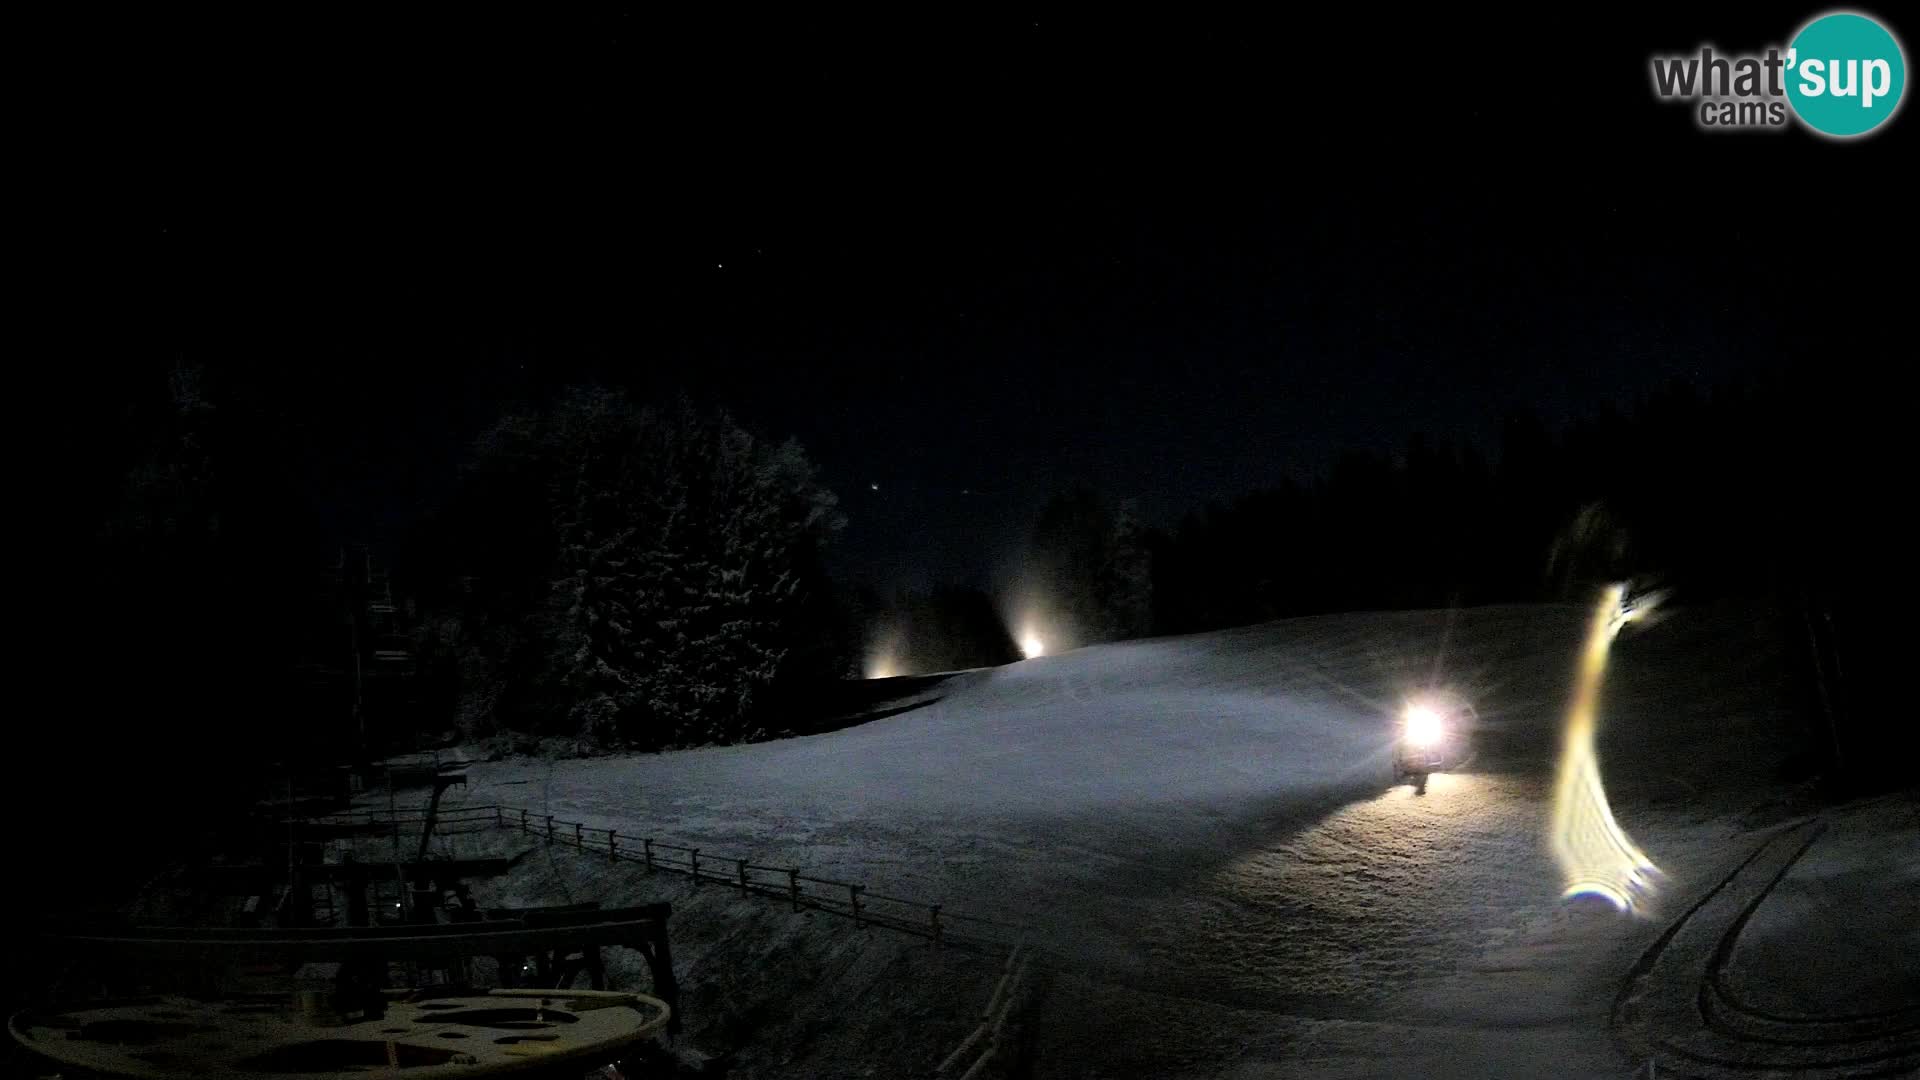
(1423, 725)
(1596, 856)
(884, 655)
(1031, 646)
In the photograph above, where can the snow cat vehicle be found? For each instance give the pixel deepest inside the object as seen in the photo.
(1436, 732)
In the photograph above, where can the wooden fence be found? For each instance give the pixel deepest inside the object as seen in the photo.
(803, 891)
(992, 1029)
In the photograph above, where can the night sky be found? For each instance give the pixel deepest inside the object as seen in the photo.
(968, 263)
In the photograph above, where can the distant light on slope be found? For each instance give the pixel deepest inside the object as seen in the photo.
(1031, 646)
(883, 654)
(1596, 856)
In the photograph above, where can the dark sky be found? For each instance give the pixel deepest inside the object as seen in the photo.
(969, 261)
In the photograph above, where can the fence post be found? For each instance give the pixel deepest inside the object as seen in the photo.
(793, 887)
(549, 828)
(934, 909)
(647, 845)
(854, 892)
(499, 817)
(741, 865)
(580, 836)
(693, 858)
(523, 822)
(613, 846)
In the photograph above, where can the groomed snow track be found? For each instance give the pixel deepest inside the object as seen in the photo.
(1679, 1010)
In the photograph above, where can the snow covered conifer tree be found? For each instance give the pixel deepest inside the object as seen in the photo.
(683, 561)
(1126, 581)
(1091, 565)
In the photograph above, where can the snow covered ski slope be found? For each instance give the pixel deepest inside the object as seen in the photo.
(1204, 831)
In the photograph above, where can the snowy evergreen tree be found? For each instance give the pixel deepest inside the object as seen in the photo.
(683, 566)
(1091, 567)
(1126, 581)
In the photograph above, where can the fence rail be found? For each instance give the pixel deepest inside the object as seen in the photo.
(848, 899)
(993, 1019)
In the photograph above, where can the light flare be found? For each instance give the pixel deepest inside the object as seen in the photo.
(1596, 856)
(883, 654)
(1031, 646)
(1423, 725)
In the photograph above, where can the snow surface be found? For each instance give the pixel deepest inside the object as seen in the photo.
(1204, 833)
(1846, 916)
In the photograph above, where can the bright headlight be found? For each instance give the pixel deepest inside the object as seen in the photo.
(1423, 725)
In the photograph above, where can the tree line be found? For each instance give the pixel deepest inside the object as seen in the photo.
(650, 574)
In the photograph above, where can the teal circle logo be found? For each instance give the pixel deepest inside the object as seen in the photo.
(1845, 74)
